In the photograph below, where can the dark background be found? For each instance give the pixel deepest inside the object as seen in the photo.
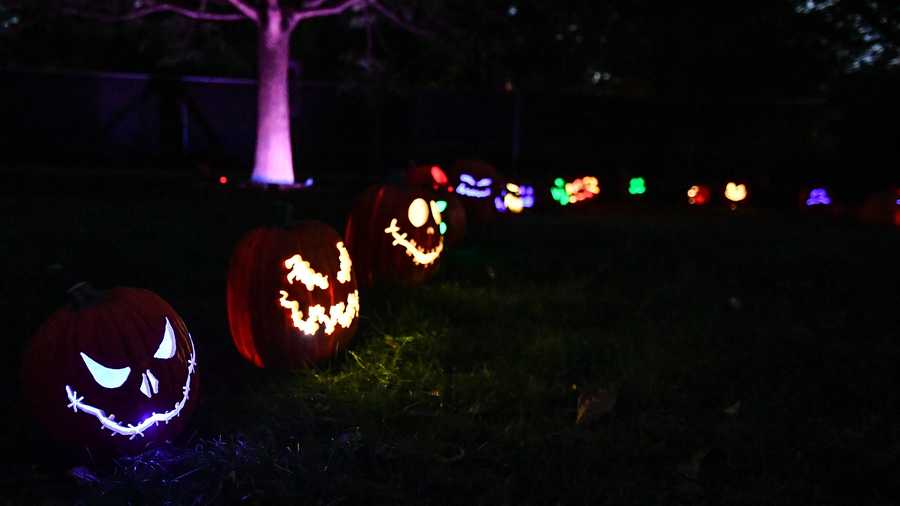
(780, 93)
(207, 126)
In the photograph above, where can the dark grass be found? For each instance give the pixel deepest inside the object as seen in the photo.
(464, 391)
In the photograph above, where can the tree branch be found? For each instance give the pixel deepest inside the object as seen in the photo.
(314, 9)
(313, 4)
(153, 9)
(309, 13)
(245, 9)
(391, 15)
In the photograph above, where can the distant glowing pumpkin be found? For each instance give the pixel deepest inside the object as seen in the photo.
(575, 191)
(394, 235)
(112, 370)
(515, 198)
(292, 295)
(818, 197)
(475, 182)
(637, 186)
(736, 192)
(698, 195)
(430, 175)
(882, 207)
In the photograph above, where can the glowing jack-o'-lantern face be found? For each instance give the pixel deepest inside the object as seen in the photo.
(735, 192)
(698, 195)
(113, 378)
(476, 188)
(125, 365)
(418, 215)
(515, 198)
(318, 316)
(428, 176)
(292, 295)
(818, 197)
(573, 192)
(394, 235)
(637, 186)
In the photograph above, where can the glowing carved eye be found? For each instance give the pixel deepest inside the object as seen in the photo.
(465, 178)
(418, 212)
(438, 175)
(483, 183)
(105, 376)
(166, 348)
(436, 211)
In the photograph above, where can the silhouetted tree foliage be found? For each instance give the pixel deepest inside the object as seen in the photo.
(691, 50)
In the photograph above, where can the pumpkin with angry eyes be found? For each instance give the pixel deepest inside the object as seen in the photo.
(292, 295)
(118, 362)
(394, 235)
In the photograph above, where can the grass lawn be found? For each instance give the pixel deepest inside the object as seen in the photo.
(752, 355)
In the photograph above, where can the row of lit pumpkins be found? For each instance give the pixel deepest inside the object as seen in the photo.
(117, 368)
(477, 180)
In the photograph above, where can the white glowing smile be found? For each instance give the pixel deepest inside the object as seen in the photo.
(342, 313)
(420, 256)
(339, 314)
(133, 430)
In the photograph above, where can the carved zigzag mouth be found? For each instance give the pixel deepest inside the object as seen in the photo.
(341, 314)
(108, 422)
(419, 255)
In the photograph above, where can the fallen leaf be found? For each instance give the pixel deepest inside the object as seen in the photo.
(594, 405)
(83, 474)
(691, 468)
(733, 409)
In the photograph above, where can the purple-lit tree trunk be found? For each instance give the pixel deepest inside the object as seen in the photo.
(276, 20)
(273, 162)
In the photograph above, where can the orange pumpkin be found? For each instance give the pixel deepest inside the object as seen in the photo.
(292, 295)
(112, 370)
(394, 235)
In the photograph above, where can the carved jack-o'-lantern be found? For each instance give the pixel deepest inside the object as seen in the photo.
(118, 362)
(292, 295)
(637, 186)
(698, 195)
(475, 182)
(474, 188)
(882, 207)
(818, 197)
(514, 198)
(575, 191)
(394, 235)
(432, 176)
(735, 193)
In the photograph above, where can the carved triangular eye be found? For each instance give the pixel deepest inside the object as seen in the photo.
(105, 376)
(166, 348)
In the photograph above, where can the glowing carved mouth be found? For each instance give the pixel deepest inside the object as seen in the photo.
(339, 314)
(419, 255)
(134, 430)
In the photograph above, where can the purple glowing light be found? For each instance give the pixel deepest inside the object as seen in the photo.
(469, 187)
(818, 197)
(515, 198)
(273, 162)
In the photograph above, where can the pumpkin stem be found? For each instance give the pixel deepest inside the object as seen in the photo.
(82, 294)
